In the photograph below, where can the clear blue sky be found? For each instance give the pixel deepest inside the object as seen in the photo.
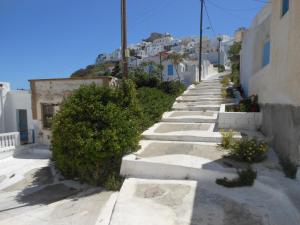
(53, 38)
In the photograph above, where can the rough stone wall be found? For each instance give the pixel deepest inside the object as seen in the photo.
(281, 123)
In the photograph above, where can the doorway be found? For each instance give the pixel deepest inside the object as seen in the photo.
(23, 125)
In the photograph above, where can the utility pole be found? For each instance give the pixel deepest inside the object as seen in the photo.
(124, 39)
(219, 53)
(201, 37)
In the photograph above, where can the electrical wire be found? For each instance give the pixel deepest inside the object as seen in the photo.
(209, 20)
(234, 10)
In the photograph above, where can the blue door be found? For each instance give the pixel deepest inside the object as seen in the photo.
(170, 70)
(23, 125)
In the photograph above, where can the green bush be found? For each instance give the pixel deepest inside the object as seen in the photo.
(153, 104)
(245, 178)
(250, 151)
(225, 81)
(94, 128)
(114, 182)
(221, 68)
(172, 87)
(235, 77)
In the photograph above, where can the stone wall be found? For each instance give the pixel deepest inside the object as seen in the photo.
(239, 120)
(281, 123)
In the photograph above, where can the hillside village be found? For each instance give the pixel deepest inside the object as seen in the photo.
(157, 47)
(165, 144)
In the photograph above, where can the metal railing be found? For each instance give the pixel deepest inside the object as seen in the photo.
(9, 141)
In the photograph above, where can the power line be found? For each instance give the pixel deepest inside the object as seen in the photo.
(228, 12)
(262, 1)
(209, 20)
(228, 9)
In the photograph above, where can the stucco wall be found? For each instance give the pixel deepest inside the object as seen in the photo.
(54, 91)
(277, 85)
(17, 100)
(283, 74)
(281, 123)
(252, 48)
(3, 93)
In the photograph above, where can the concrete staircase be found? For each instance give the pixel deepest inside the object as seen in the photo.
(185, 143)
(171, 179)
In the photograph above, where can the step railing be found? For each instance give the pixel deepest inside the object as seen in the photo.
(9, 141)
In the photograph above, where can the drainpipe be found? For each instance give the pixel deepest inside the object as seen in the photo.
(2, 108)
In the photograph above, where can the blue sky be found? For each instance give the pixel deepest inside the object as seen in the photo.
(53, 38)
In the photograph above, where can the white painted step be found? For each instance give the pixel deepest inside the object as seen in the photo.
(190, 117)
(196, 106)
(174, 202)
(187, 132)
(200, 99)
(204, 94)
(175, 160)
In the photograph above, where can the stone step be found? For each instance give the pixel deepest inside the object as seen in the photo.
(190, 117)
(196, 106)
(206, 87)
(186, 132)
(201, 98)
(176, 160)
(155, 202)
(202, 94)
(193, 202)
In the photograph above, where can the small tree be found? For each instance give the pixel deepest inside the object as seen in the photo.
(176, 59)
(94, 128)
(234, 52)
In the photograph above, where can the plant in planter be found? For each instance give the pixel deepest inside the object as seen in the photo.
(250, 151)
(249, 104)
(227, 139)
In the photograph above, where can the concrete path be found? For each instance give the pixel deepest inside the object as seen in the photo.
(33, 193)
(171, 179)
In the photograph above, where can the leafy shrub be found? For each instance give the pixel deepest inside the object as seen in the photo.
(172, 87)
(221, 68)
(245, 178)
(114, 182)
(153, 103)
(94, 128)
(225, 81)
(249, 104)
(227, 139)
(235, 77)
(249, 151)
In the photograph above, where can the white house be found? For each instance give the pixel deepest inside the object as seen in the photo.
(15, 112)
(270, 68)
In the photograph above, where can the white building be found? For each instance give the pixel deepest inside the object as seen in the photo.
(270, 68)
(15, 112)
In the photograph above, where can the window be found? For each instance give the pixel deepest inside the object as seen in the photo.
(285, 7)
(47, 115)
(170, 70)
(266, 53)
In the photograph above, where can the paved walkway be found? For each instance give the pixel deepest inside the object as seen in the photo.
(33, 193)
(171, 179)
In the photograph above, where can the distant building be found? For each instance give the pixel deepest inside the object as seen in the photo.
(239, 34)
(270, 68)
(15, 112)
(48, 94)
